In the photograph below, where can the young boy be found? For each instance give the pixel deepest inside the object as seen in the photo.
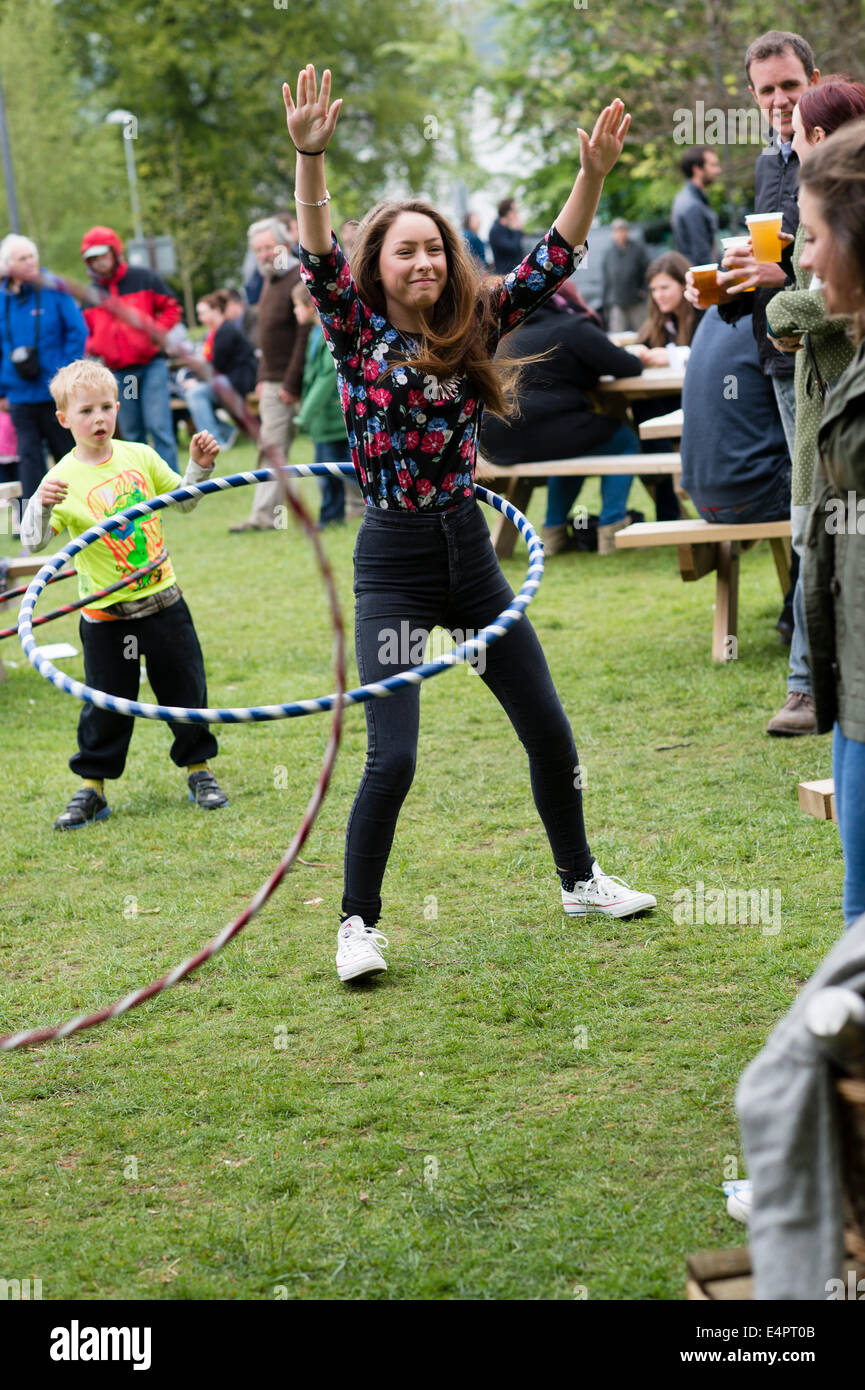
(320, 414)
(98, 477)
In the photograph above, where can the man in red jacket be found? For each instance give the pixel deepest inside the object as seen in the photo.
(132, 354)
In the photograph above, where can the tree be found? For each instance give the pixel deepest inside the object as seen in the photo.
(68, 165)
(204, 82)
(560, 64)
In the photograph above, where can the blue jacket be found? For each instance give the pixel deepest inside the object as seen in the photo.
(733, 445)
(62, 334)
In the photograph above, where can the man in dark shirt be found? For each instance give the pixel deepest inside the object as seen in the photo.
(506, 237)
(624, 280)
(695, 222)
(780, 67)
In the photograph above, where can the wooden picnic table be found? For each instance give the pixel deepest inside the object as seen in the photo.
(654, 381)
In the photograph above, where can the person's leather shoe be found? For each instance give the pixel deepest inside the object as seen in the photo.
(555, 539)
(797, 716)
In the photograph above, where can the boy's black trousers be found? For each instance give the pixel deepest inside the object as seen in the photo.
(175, 668)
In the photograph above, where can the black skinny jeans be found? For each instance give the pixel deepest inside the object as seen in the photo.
(417, 572)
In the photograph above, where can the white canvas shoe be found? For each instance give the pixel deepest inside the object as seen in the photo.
(605, 893)
(358, 950)
(740, 1199)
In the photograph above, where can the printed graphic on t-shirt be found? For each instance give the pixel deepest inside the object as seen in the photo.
(135, 542)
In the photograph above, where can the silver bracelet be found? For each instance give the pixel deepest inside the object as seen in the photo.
(322, 203)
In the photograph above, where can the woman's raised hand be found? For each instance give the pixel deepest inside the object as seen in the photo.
(310, 122)
(599, 152)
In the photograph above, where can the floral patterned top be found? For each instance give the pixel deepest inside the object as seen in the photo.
(413, 439)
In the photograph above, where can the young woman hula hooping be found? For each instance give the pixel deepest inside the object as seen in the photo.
(413, 331)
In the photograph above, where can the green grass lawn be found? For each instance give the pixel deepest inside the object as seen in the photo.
(524, 1106)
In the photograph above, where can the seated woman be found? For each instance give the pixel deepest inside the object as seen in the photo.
(556, 419)
(232, 355)
(671, 320)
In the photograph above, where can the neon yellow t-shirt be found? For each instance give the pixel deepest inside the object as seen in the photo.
(134, 473)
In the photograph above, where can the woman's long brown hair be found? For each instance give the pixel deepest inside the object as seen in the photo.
(834, 173)
(459, 331)
(653, 332)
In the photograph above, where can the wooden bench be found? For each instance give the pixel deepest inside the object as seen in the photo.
(704, 547)
(663, 426)
(17, 572)
(522, 477)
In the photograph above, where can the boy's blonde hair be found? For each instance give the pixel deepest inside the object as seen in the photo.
(81, 373)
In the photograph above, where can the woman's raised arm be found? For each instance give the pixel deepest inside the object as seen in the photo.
(311, 123)
(598, 154)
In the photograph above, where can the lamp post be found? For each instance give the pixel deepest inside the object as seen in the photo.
(130, 132)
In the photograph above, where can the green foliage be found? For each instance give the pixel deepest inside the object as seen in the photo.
(204, 81)
(559, 65)
(68, 165)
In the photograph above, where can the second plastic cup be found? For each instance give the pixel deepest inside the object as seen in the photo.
(706, 284)
(729, 243)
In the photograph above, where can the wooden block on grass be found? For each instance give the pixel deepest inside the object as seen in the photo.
(818, 799)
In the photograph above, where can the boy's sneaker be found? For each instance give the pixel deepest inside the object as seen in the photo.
(740, 1198)
(358, 949)
(85, 807)
(205, 791)
(604, 893)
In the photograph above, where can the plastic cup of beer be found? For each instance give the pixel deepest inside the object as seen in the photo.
(706, 284)
(765, 229)
(735, 243)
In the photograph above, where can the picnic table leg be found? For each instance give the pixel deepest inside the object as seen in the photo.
(781, 555)
(724, 636)
(504, 533)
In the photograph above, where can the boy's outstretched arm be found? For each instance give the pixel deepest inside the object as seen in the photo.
(203, 450)
(36, 522)
(311, 123)
(598, 154)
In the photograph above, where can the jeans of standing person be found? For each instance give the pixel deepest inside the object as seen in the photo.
(785, 394)
(563, 492)
(331, 487)
(414, 571)
(145, 407)
(277, 429)
(799, 676)
(175, 669)
(33, 423)
(771, 505)
(848, 768)
(202, 401)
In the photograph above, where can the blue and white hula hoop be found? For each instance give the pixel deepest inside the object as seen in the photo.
(466, 651)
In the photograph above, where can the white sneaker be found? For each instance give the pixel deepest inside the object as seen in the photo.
(740, 1199)
(358, 949)
(604, 893)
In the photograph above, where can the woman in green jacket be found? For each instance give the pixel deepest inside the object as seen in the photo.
(832, 204)
(320, 414)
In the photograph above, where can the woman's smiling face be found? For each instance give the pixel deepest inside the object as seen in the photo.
(413, 268)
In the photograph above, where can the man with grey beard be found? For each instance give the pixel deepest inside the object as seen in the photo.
(280, 371)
